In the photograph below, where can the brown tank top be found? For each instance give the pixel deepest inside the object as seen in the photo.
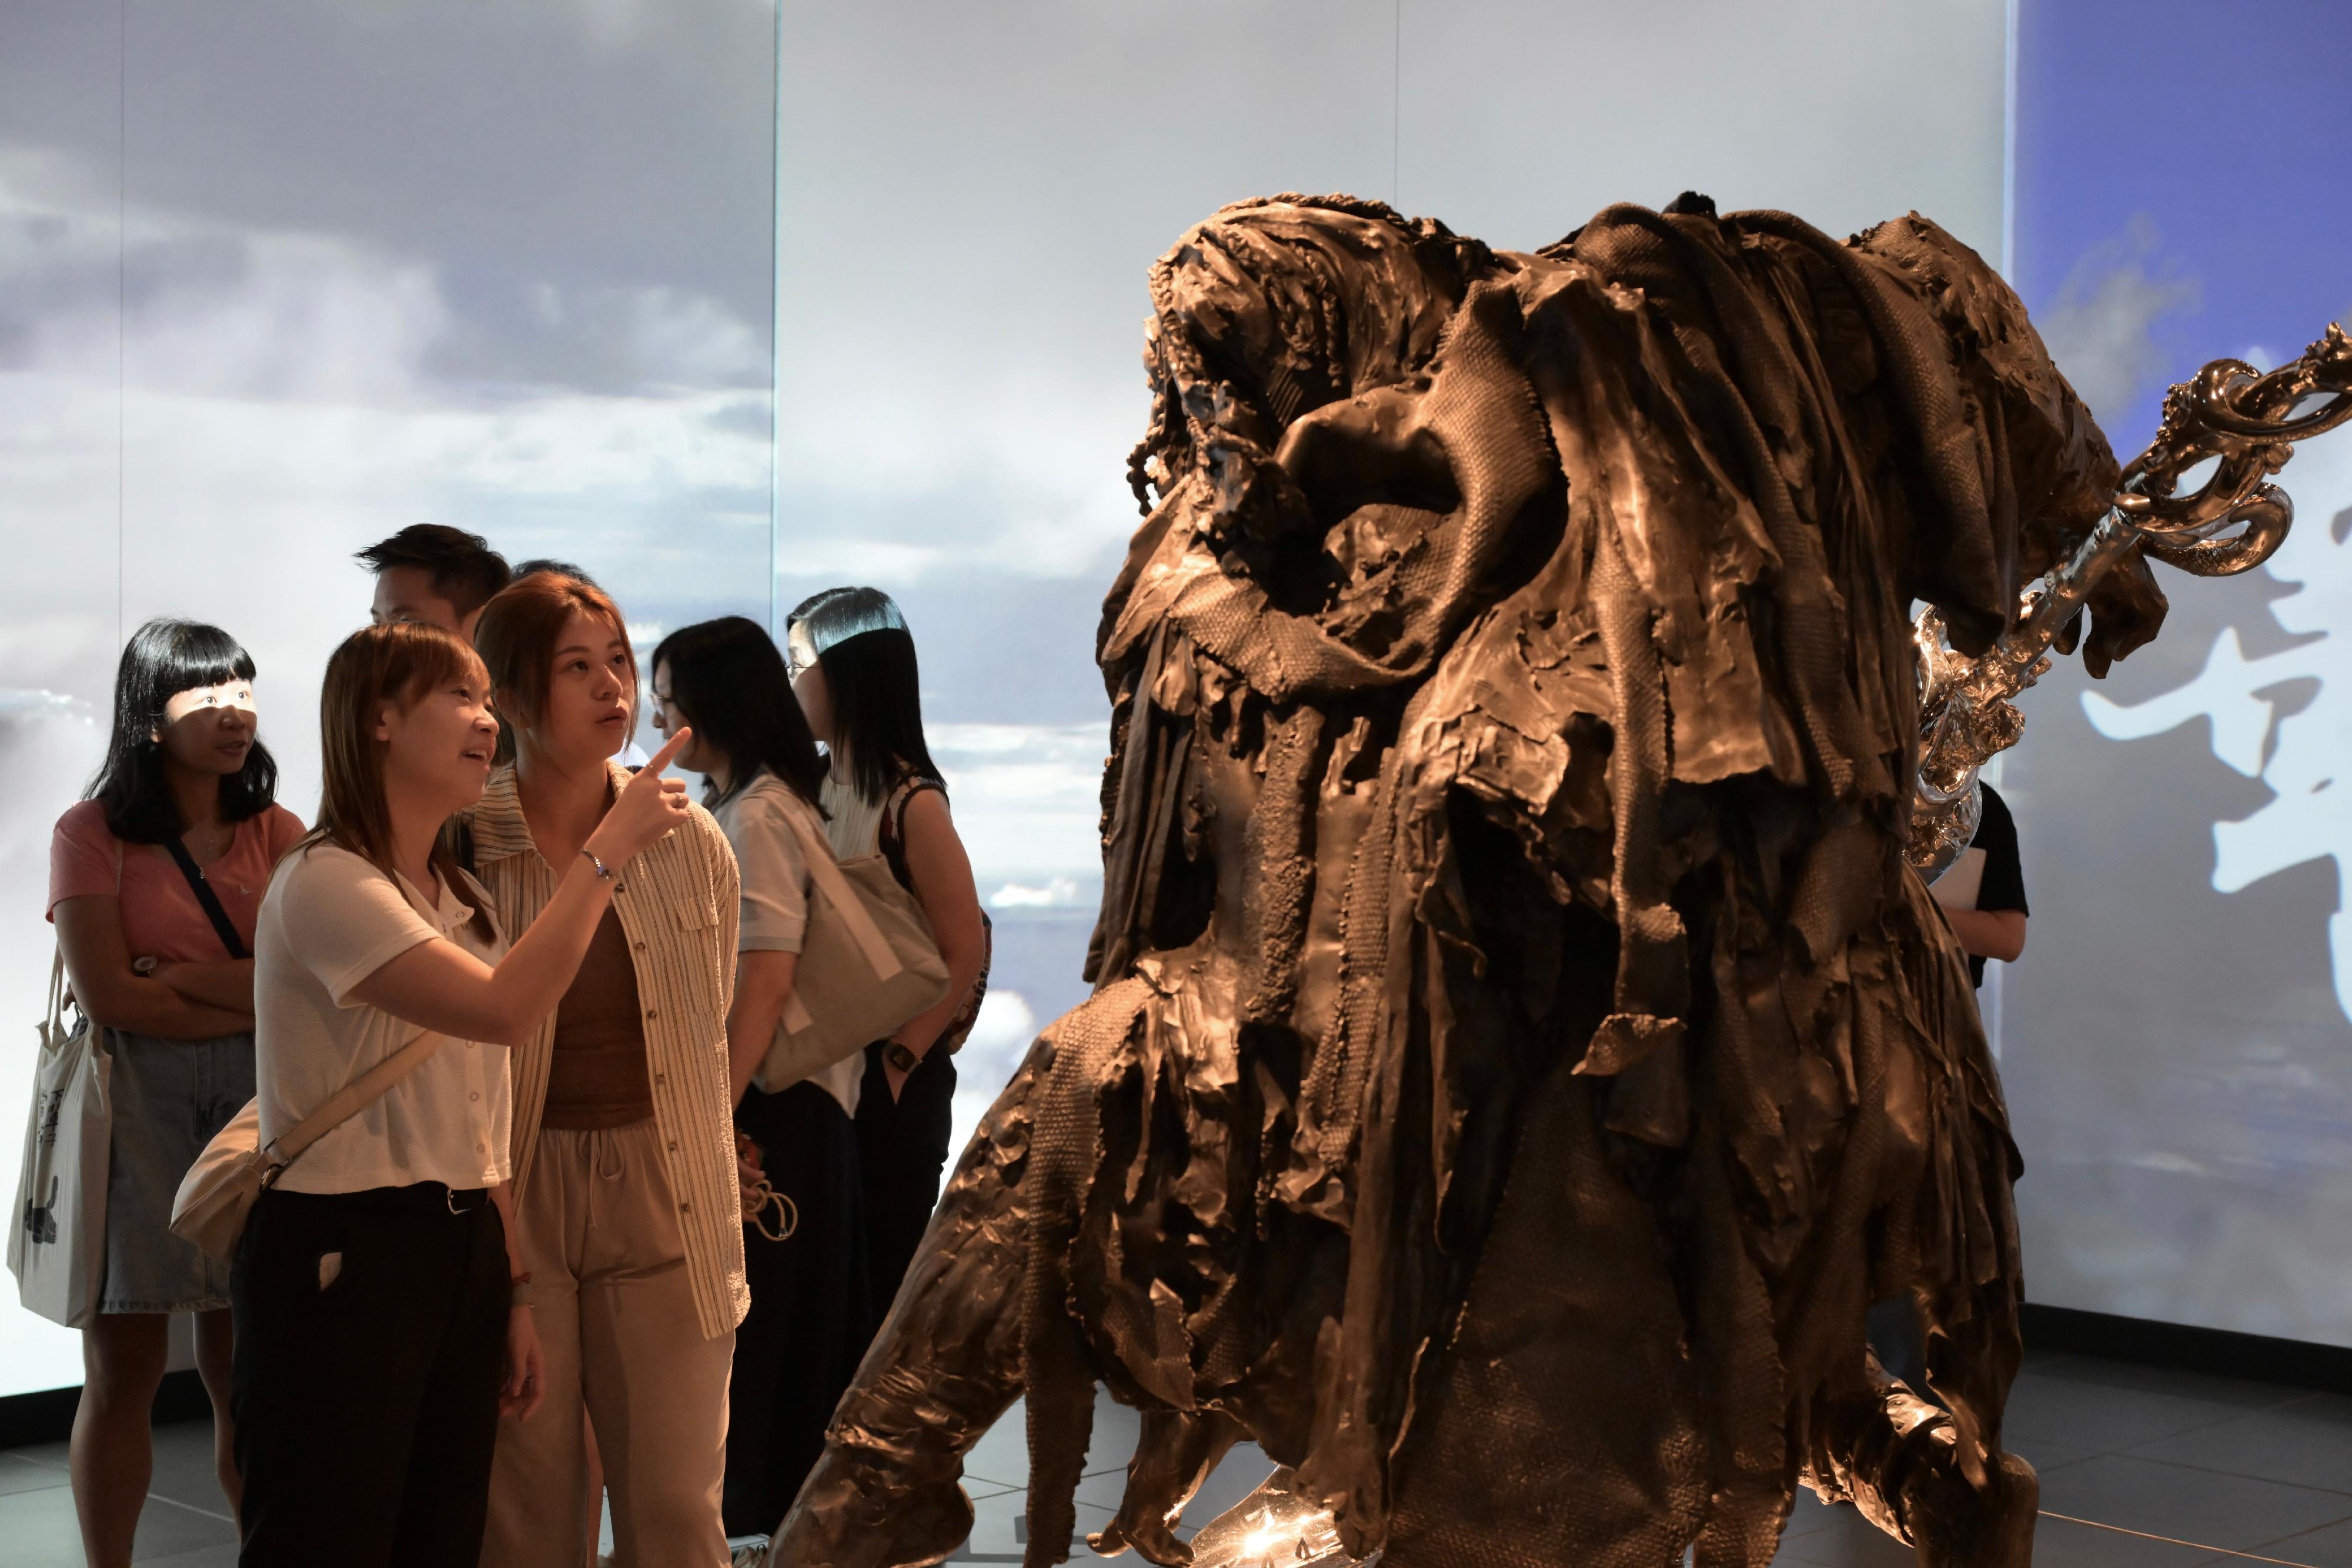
(598, 1078)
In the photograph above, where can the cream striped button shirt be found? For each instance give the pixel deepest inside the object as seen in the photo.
(678, 906)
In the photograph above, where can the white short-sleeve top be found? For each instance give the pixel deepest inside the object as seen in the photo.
(758, 821)
(329, 920)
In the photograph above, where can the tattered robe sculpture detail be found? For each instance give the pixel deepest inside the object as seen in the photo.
(1520, 1054)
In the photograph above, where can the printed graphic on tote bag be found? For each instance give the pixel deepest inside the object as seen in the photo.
(41, 1218)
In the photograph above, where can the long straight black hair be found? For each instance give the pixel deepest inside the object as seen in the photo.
(867, 654)
(162, 659)
(729, 680)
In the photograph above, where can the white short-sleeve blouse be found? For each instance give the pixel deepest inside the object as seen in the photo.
(758, 823)
(329, 920)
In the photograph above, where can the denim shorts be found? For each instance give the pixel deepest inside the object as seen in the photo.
(170, 1096)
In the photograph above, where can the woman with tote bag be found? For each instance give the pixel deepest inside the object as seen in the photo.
(853, 671)
(383, 1316)
(812, 1313)
(154, 883)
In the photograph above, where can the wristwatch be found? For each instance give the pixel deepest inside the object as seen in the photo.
(896, 1054)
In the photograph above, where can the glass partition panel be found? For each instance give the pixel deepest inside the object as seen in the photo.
(508, 267)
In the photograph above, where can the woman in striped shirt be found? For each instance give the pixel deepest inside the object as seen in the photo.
(624, 1173)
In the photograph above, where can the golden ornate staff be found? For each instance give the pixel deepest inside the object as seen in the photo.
(2240, 420)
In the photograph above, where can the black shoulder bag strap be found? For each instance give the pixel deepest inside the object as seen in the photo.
(209, 898)
(892, 835)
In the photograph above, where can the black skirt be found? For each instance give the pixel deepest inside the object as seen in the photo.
(811, 1314)
(903, 1146)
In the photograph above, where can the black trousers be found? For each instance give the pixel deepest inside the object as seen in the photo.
(903, 1150)
(810, 1315)
(367, 1408)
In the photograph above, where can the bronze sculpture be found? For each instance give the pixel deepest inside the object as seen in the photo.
(1519, 1053)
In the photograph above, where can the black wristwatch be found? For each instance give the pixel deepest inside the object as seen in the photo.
(896, 1054)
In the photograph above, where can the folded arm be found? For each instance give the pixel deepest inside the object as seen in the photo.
(215, 982)
(98, 962)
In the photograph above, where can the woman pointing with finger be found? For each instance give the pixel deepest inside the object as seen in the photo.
(382, 1315)
(624, 1140)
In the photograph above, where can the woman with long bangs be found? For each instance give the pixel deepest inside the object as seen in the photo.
(625, 1188)
(181, 822)
(853, 671)
(799, 1347)
(382, 1313)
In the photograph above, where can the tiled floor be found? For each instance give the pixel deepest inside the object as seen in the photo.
(2140, 1469)
(187, 1522)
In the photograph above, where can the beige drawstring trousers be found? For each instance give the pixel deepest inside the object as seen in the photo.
(618, 1327)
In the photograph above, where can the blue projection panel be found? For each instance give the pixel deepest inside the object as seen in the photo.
(2177, 1038)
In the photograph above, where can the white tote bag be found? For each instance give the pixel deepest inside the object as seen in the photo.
(57, 1242)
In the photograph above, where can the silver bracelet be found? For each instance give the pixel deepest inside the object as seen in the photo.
(602, 868)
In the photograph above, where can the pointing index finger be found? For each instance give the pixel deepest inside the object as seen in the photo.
(663, 757)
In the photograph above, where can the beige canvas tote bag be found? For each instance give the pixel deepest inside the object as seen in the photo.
(868, 963)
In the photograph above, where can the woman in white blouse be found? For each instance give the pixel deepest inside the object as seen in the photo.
(382, 1315)
(811, 1314)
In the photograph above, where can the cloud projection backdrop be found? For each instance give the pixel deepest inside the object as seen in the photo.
(278, 277)
(2177, 1040)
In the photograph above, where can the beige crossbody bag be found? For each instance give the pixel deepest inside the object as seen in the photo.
(220, 1188)
(868, 963)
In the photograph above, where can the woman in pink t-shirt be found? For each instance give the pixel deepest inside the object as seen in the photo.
(184, 802)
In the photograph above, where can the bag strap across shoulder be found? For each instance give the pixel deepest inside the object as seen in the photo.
(824, 871)
(354, 1097)
(222, 924)
(54, 1020)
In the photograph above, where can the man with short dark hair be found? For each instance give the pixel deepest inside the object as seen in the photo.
(433, 573)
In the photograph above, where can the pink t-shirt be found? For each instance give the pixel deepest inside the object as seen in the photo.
(160, 917)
